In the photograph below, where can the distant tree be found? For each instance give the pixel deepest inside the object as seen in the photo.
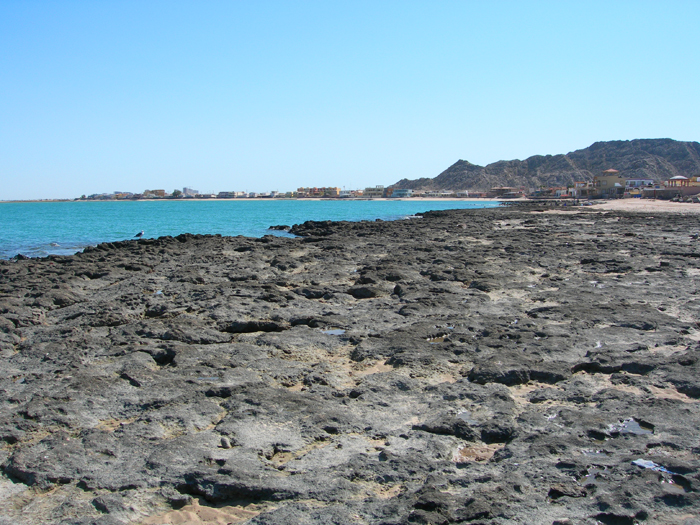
(177, 193)
(83, 197)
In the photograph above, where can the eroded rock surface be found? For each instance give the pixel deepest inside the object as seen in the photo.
(488, 366)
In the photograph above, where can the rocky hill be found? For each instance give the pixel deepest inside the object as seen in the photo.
(657, 159)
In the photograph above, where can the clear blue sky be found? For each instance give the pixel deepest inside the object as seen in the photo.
(99, 96)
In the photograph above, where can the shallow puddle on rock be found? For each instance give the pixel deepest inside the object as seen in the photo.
(594, 453)
(593, 477)
(334, 331)
(467, 416)
(670, 486)
(630, 426)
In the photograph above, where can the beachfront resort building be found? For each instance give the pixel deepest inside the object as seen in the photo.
(374, 193)
(638, 183)
(634, 187)
(349, 194)
(679, 181)
(506, 192)
(308, 192)
(153, 193)
(318, 192)
(439, 194)
(231, 195)
(582, 189)
(609, 184)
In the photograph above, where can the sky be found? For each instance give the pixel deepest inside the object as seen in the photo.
(104, 96)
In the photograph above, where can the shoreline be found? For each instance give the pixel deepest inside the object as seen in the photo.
(80, 225)
(305, 199)
(627, 205)
(648, 205)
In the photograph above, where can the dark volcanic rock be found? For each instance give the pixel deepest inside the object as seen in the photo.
(488, 366)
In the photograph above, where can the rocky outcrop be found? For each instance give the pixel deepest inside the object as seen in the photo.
(657, 159)
(486, 366)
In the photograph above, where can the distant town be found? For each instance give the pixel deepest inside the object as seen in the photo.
(375, 192)
(609, 184)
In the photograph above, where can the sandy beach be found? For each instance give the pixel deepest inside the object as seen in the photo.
(648, 205)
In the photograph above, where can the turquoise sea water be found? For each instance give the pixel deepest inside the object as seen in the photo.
(37, 229)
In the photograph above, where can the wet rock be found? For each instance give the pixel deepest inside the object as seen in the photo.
(240, 327)
(110, 504)
(367, 292)
(451, 427)
(569, 489)
(174, 498)
(510, 376)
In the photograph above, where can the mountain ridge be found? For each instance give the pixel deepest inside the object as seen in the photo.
(657, 159)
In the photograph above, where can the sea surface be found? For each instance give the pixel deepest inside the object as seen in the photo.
(37, 229)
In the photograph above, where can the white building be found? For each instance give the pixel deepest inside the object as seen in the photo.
(638, 183)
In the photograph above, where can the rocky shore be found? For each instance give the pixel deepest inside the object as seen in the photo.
(471, 366)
